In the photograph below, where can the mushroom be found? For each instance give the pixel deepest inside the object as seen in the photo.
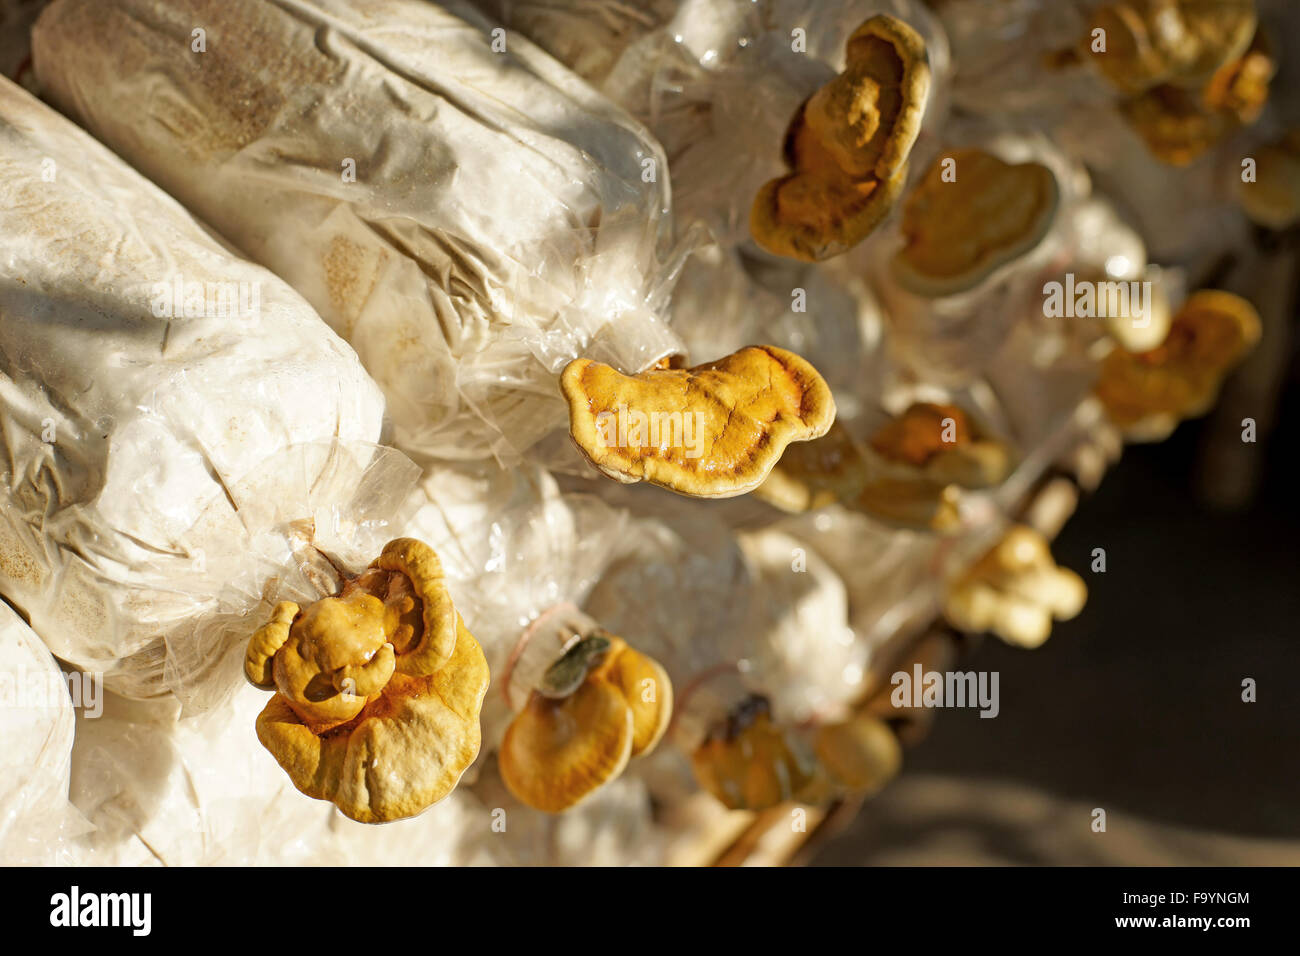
(816, 473)
(1015, 591)
(910, 474)
(847, 147)
(595, 708)
(377, 689)
(1148, 393)
(858, 755)
(750, 763)
(1149, 42)
(958, 232)
(1273, 199)
(921, 460)
(712, 431)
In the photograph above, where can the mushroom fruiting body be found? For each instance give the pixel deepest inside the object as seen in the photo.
(1273, 199)
(601, 704)
(970, 214)
(920, 462)
(1016, 591)
(712, 431)
(378, 689)
(816, 473)
(847, 147)
(1148, 393)
(1149, 42)
(749, 763)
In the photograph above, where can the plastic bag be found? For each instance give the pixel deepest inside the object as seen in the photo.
(458, 206)
(36, 724)
(175, 422)
(201, 791)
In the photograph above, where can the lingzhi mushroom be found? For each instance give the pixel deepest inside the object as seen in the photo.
(969, 215)
(377, 689)
(712, 431)
(600, 704)
(1016, 590)
(847, 147)
(1146, 394)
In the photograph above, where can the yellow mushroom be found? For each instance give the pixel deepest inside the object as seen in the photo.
(1148, 393)
(847, 147)
(1174, 124)
(970, 214)
(1152, 42)
(601, 704)
(712, 431)
(1015, 591)
(377, 689)
(816, 473)
(748, 762)
(920, 461)
(859, 755)
(910, 475)
(1240, 88)
(1273, 199)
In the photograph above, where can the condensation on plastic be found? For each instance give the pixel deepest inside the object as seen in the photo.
(158, 472)
(504, 219)
(513, 547)
(201, 791)
(36, 725)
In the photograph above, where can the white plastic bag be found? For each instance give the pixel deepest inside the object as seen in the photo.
(163, 450)
(462, 209)
(36, 725)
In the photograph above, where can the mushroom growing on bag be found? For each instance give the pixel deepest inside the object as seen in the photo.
(712, 431)
(847, 147)
(910, 474)
(378, 689)
(573, 702)
(1147, 394)
(173, 421)
(970, 215)
(1016, 591)
(360, 151)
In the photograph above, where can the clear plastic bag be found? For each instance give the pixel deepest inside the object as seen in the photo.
(467, 213)
(163, 456)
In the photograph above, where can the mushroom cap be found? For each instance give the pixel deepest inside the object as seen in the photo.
(847, 147)
(1149, 42)
(1144, 392)
(328, 636)
(1273, 200)
(744, 410)
(916, 473)
(1015, 591)
(816, 473)
(959, 233)
(750, 763)
(420, 564)
(557, 751)
(1174, 124)
(860, 754)
(1240, 88)
(404, 751)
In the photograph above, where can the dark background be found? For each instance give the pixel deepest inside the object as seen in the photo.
(1135, 706)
